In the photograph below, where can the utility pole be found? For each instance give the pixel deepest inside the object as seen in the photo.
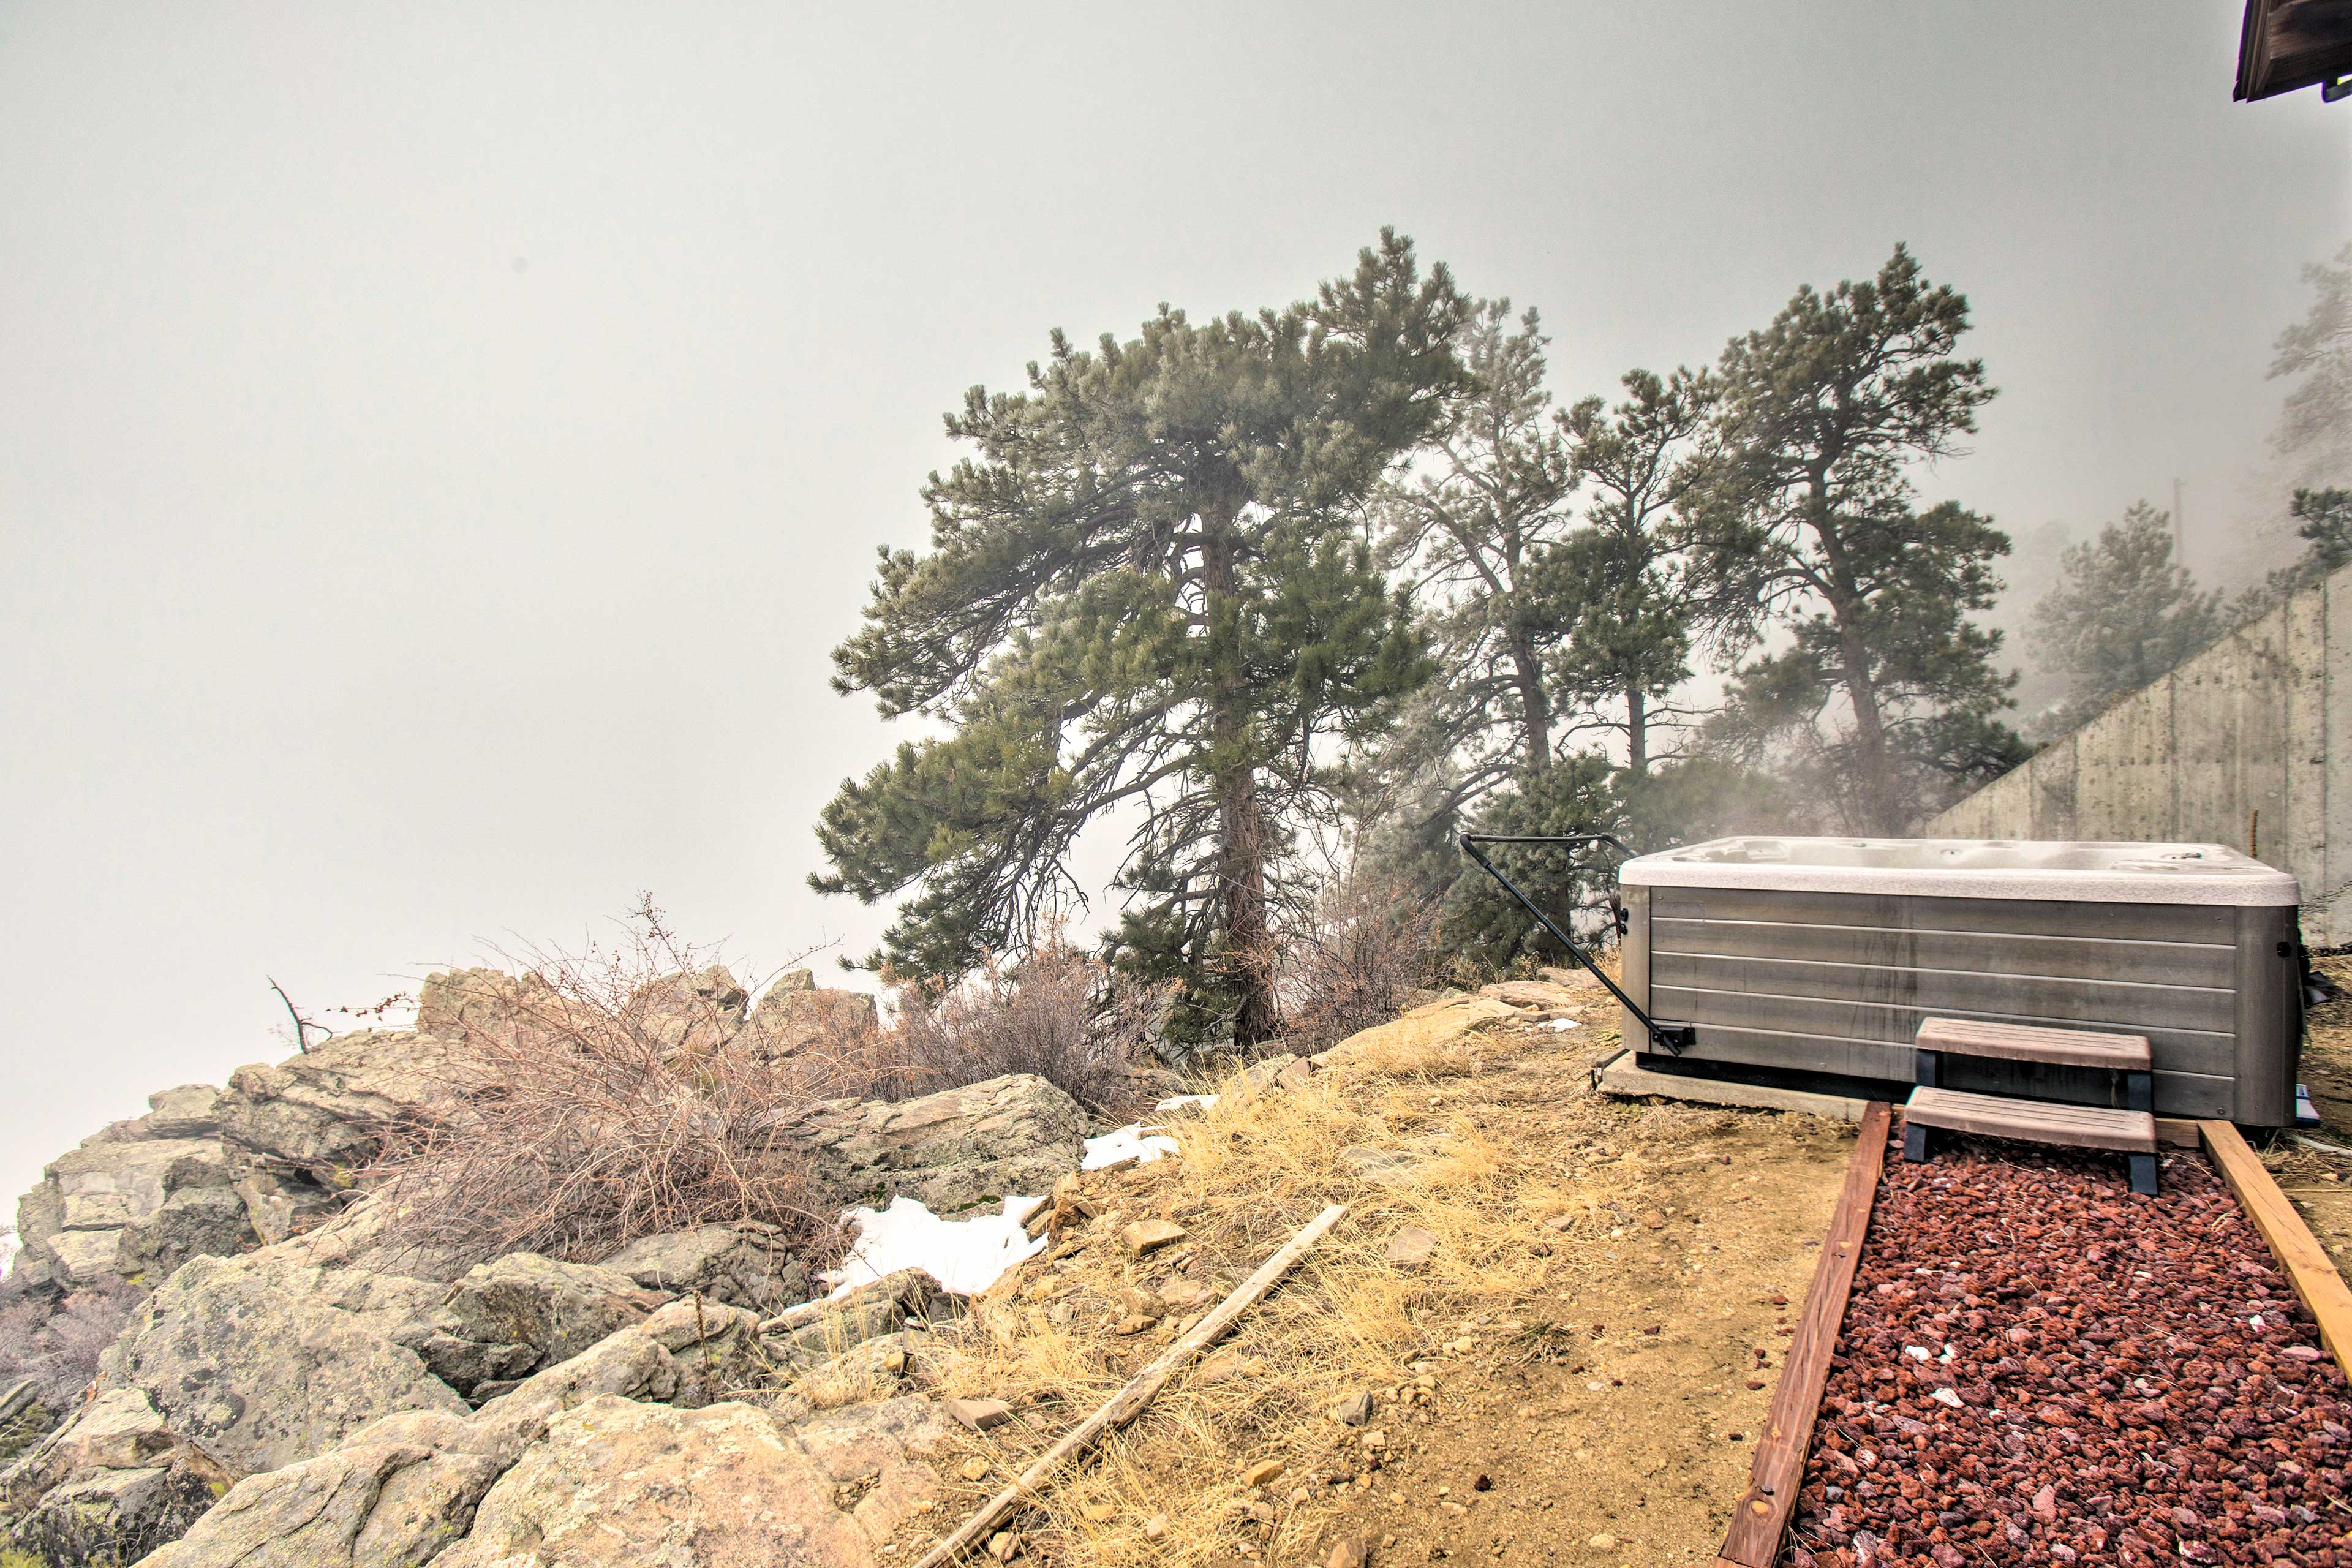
(2180, 530)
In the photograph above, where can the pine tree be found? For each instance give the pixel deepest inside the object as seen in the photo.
(1476, 919)
(2122, 612)
(1467, 533)
(2314, 430)
(1888, 692)
(1147, 592)
(1620, 587)
(2323, 520)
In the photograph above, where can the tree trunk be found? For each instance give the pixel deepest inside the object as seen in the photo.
(1880, 813)
(1535, 702)
(1637, 730)
(1241, 815)
(1249, 936)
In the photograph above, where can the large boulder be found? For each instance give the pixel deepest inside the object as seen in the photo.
(326, 1112)
(796, 1013)
(617, 1484)
(274, 1356)
(688, 1013)
(510, 1318)
(950, 1151)
(745, 1265)
(404, 1488)
(110, 1486)
(128, 1202)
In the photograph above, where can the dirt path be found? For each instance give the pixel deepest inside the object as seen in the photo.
(1574, 1372)
(1607, 1415)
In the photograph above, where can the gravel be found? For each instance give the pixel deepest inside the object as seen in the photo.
(2039, 1367)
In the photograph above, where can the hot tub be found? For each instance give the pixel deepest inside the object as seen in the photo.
(1821, 955)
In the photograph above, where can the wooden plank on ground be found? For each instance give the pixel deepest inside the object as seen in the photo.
(1138, 1391)
(1761, 1519)
(2314, 1279)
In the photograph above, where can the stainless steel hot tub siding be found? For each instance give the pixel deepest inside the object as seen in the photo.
(1838, 982)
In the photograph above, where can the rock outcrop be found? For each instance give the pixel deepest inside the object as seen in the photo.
(619, 1456)
(950, 1151)
(511, 1317)
(742, 1265)
(349, 1398)
(139, 1198)
(796, 1013)
(214, 1171)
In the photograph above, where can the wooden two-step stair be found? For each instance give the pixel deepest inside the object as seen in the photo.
(1932, 1107)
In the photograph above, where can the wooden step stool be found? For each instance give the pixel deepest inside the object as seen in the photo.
(2131, 1129)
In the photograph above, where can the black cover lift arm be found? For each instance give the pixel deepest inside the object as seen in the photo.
(1672, 1038)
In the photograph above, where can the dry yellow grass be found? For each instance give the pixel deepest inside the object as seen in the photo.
(1395, 1134)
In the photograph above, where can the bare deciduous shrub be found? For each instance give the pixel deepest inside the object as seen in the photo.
(1361, 950)
(57, 1345)
(594, 1106)
(1055, 1013)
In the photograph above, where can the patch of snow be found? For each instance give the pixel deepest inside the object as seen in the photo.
(1179, 1101)
(1130, 1142)
(1559, 1026)
(967, 1256)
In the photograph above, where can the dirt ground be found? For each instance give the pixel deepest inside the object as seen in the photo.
(1576, 1374)
(1614, 1421)
(2320, 1184)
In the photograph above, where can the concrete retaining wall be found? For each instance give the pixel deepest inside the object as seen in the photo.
(2236, 746)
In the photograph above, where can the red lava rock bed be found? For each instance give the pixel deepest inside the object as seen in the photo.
(2038, 1366)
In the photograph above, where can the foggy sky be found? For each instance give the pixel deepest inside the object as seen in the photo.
(438, 446)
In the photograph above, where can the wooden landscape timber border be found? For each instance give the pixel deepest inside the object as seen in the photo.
(2320, 1288)
(1759, 1526)
(1761, 1519)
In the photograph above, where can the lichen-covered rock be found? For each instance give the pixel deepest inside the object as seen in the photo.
(617, 1484)
(366, 1505)
(950, 1150)
(119, 1430)
(690, 1014)
(114, 1517)
(400, 1491)
(511, 1317)
(326, 1111)
(744, 1265)
(269, 1358)
(109, 1485)
(796, 1013)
